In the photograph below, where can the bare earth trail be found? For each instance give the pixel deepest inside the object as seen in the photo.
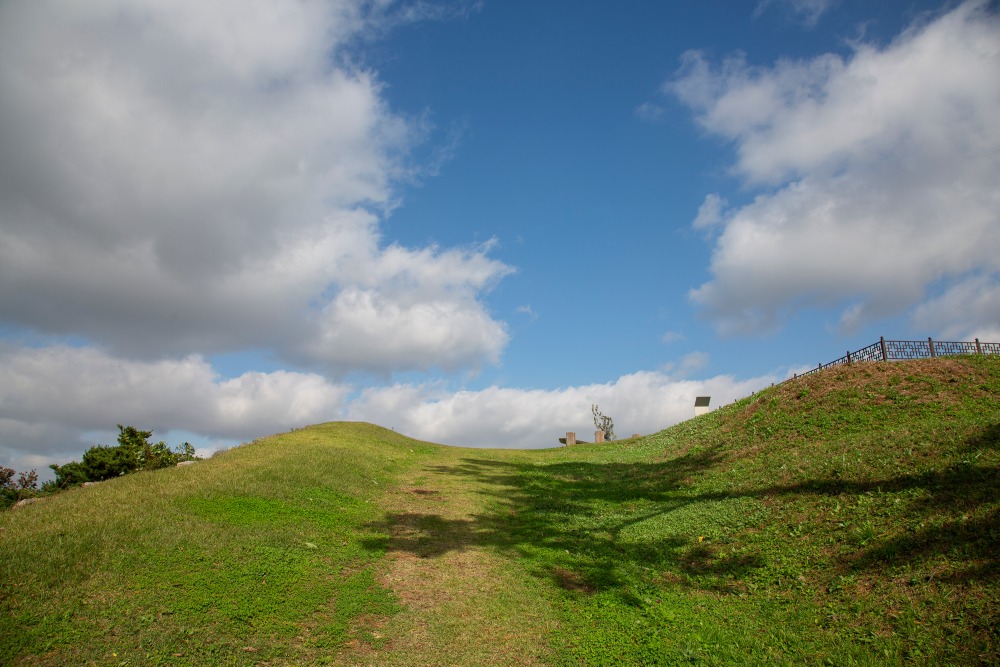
(463, 604)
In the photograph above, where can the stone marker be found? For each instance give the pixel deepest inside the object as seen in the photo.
(570, 438)
(598, 436)
(701, 405)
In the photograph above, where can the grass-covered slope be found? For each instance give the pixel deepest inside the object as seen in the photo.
(261, 553)
(849, 517)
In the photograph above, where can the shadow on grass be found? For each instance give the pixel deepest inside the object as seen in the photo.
(988, 439)
(573, 520)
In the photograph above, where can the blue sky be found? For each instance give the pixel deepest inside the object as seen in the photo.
(472, 220)
(589, 199)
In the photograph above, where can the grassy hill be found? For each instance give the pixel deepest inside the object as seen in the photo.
(848, 517)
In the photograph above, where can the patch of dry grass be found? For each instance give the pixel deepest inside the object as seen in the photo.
(462, 604)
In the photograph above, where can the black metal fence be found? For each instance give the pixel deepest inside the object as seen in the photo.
(891, 350)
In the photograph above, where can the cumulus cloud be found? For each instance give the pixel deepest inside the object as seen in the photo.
(50, 397)
(878, 174)
(643, 402)
(205, 177)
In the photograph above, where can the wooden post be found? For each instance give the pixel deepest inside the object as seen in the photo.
(885, 354)
(570, 438)
(848, 357)
(979, 350)
(930, 343)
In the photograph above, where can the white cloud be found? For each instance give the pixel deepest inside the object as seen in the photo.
(648, 111)
(966, 310)
(643, 402)
(55, 402)
(51, 397)
(693, 361)
(672, 337)
(369, 329)
(689, 363)
(204, 177)
(808, 12)
(879, 173)
(710, 213)
(527, 310)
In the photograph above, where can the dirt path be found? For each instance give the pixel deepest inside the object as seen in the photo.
(463, 603)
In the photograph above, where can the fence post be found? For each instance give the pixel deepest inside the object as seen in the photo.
(885, 354)
(979, 350)
(931, 344)
(848, 357)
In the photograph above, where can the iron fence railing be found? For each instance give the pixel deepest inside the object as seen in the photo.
(891, 350)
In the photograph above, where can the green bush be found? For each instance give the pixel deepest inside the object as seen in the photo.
(70, 474)
(133, 452)
(102, 462)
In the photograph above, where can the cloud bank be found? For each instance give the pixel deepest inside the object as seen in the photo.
(211, 177)
(86, 390)
(877, 179)
(57, 401)
(643, 402)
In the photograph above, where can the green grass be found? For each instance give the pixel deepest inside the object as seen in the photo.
(260, 553)
(848, 517)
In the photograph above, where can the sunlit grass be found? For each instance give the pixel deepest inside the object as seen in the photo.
(849, 517)
(852, 517)
(224, 562)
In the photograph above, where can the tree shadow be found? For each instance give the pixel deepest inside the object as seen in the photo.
(425, 535)
(988, 439)
(533, 509)
(975, 542)
(572, 520)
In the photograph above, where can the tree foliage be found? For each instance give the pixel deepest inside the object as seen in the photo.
(603, 423)
(11, 490)
(133, 452)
